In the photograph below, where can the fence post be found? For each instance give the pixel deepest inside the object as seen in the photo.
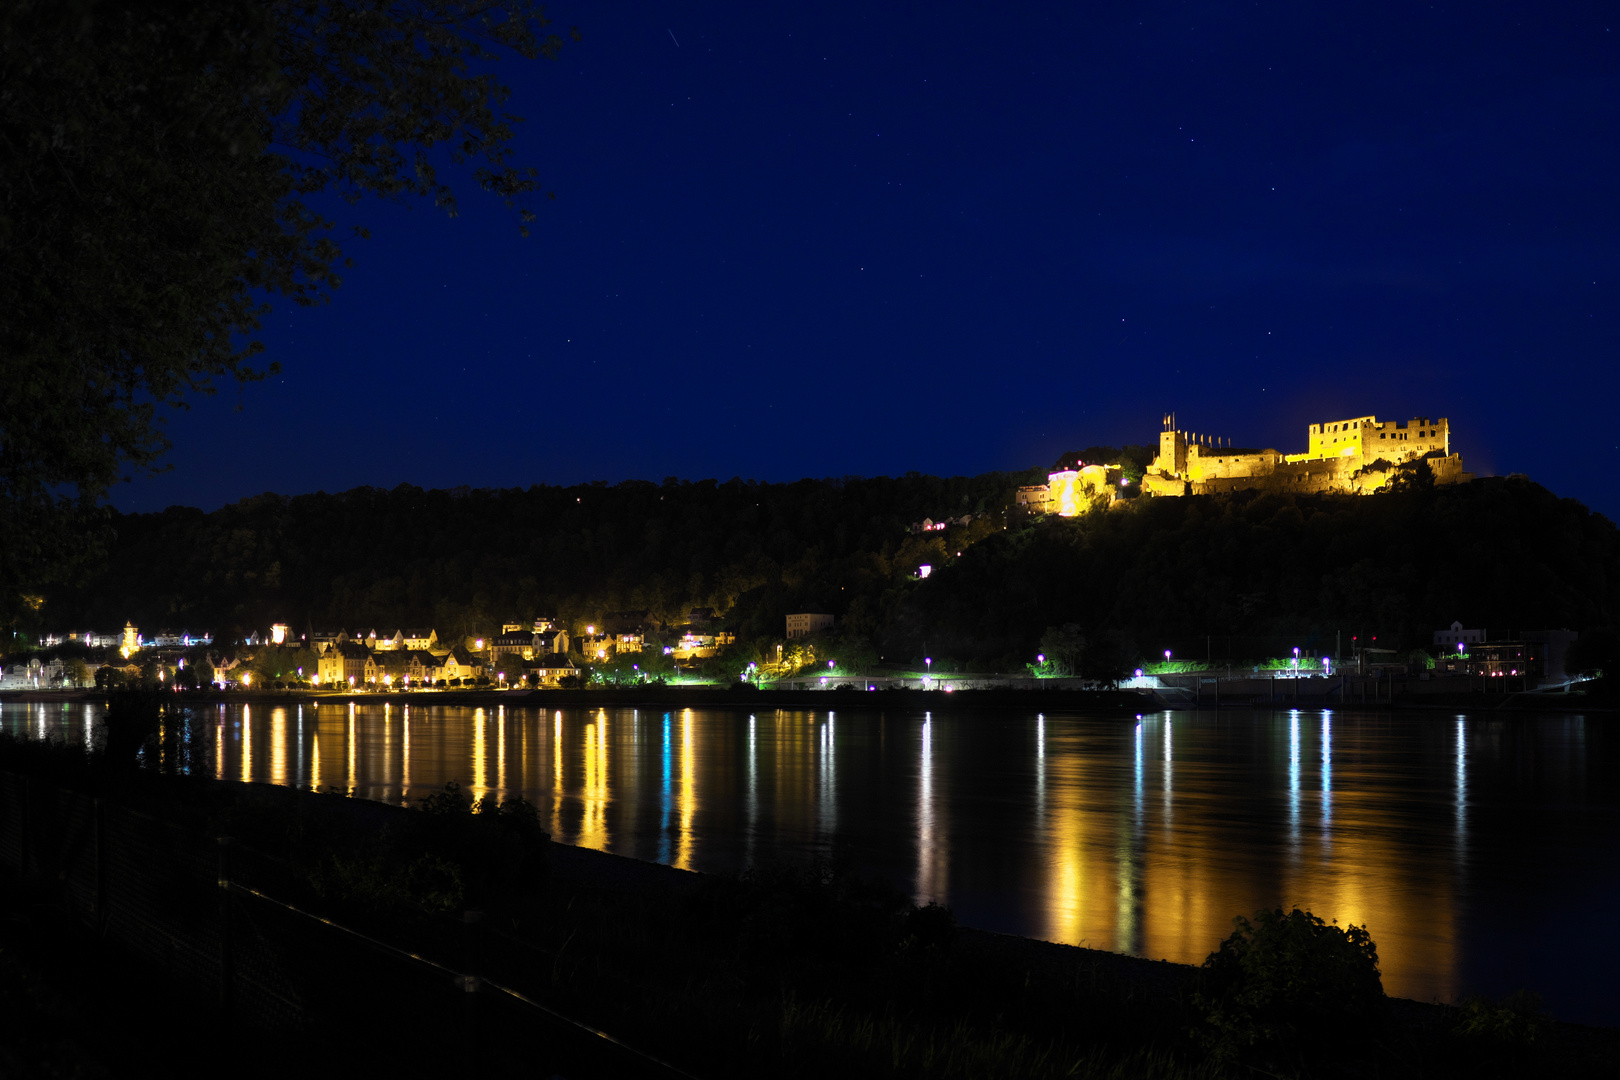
(227, 961)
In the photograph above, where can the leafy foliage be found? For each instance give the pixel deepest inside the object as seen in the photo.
(158, 162)
(1515, 1022)
(1286, 981)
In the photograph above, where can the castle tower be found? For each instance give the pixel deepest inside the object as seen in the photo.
(1172, 459)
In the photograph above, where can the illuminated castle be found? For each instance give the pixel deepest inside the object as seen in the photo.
(1359, 455)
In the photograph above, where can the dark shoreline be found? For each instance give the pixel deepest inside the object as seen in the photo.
(1123, 702)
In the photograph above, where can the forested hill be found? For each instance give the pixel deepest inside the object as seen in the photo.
(1231, 574)
(462, 559)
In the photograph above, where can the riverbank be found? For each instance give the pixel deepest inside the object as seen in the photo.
(1177, 693)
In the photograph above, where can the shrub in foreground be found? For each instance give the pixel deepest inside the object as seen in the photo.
(1288, 983)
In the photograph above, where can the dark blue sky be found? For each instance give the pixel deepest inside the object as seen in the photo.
(809, 240)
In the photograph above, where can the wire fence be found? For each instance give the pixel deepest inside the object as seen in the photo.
(202, 910)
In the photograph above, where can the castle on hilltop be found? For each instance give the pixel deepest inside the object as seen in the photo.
(1359, 455)
(1356, 456)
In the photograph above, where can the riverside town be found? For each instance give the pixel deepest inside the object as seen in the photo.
(908, 541)
(721, 643)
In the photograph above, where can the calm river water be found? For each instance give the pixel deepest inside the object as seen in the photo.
(1483, 854)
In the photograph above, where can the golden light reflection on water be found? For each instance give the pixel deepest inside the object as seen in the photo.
(686, 805)
(480, 759)
(278, 746)
(792, 763)
(557, 777)
(387, 738)
(594, 796)
(353, 775)
(1170, 888)
(1146, 837)
(500, 753)
(247, 743)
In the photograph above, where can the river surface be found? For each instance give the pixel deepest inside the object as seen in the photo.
(1482, 853)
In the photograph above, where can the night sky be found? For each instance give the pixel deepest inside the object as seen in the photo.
(815, 240)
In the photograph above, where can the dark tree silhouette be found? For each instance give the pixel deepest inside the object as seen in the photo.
(158, 159)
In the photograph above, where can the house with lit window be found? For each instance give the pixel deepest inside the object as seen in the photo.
(804, 623)
(552, 668)
(458, 663)
(597, 646)
(525, 644)
(411, 667)
(347, 663)
(628, 629)
(700, 646)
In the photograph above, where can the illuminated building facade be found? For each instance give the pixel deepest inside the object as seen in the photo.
(551, 669)
(526, 645)
(1360, 455)
(347, 662)
(803, 624)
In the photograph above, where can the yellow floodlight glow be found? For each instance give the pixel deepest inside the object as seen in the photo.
(1064, 488)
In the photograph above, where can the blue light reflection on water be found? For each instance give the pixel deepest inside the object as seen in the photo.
(1476, 850)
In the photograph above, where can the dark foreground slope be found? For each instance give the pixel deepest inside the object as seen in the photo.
(114, 930)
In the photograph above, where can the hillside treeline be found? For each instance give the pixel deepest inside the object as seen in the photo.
(1238, 576)
(1249, 575)
(462, 560)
